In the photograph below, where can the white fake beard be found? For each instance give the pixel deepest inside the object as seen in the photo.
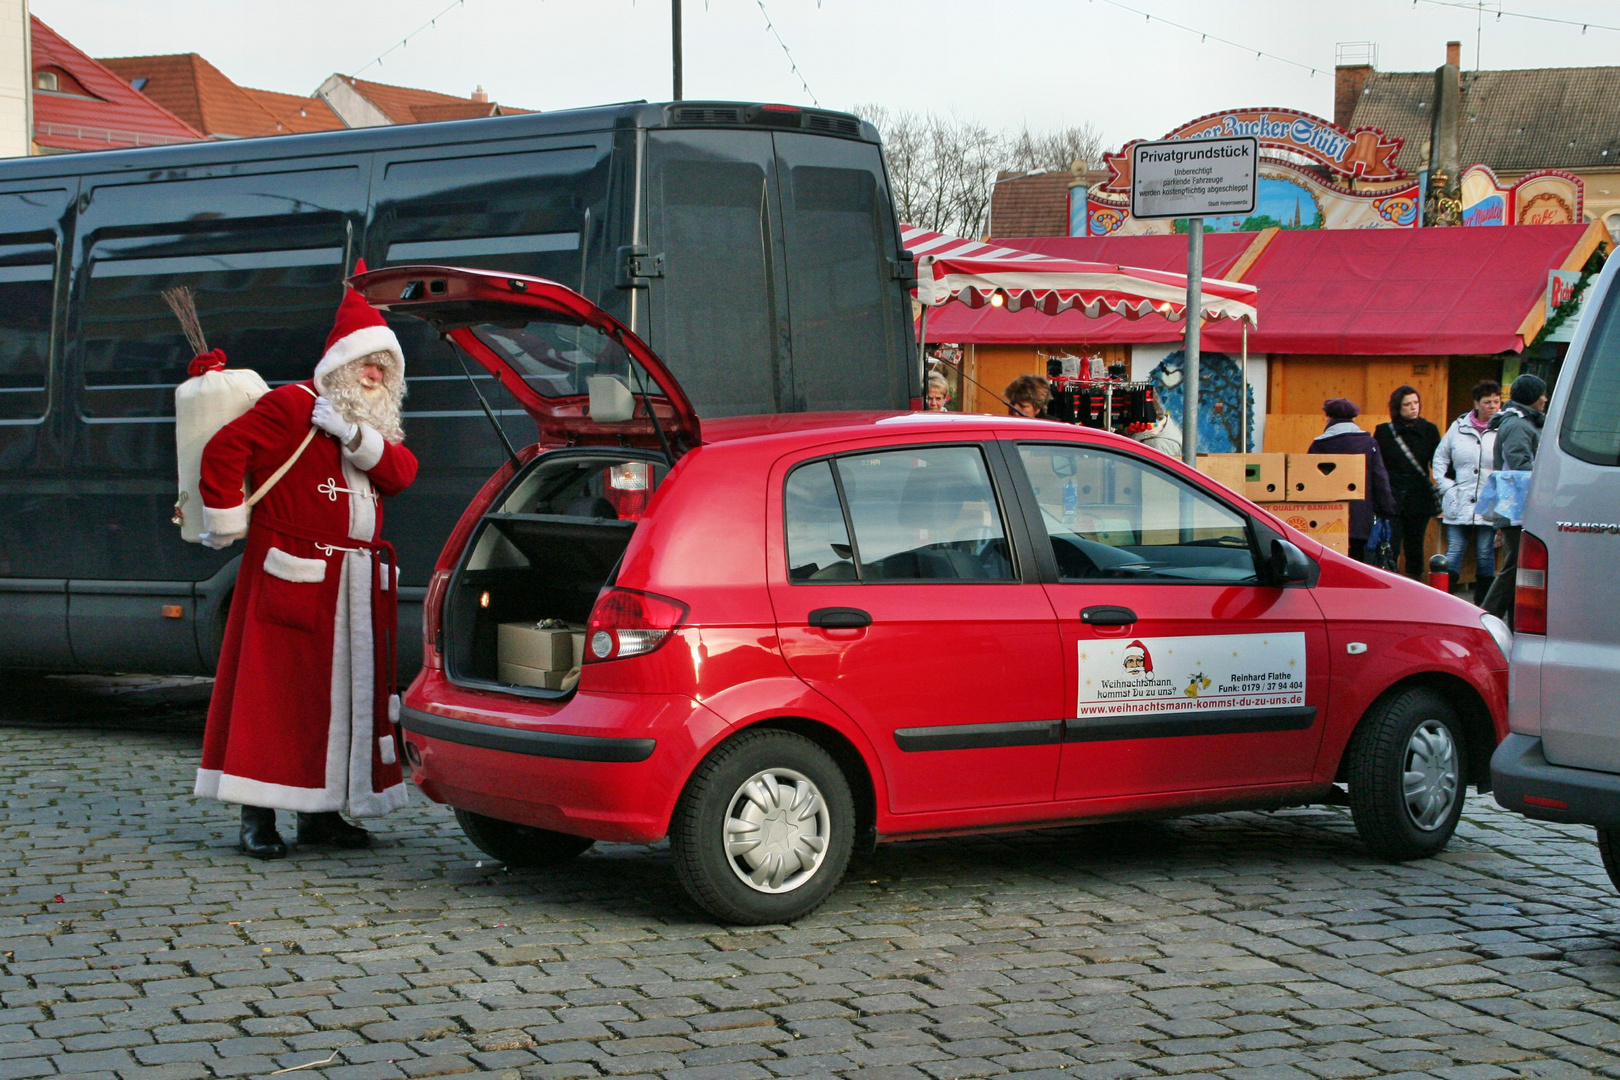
(379, 407)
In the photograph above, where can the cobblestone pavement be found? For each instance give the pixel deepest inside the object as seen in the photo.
(136, 943)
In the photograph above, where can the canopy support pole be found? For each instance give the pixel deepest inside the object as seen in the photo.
(1190, 352)
(922, 355)
(1243, 389)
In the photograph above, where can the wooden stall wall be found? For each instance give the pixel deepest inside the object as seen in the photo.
(1299, 385)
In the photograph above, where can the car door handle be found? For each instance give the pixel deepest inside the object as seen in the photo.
(1107, 615)
(840, 618)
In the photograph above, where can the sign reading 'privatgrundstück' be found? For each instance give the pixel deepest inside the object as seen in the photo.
(1194, 177)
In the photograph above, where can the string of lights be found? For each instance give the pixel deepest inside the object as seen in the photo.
(786, 51)
(377, 60)
(1500, 14)
(1205, 35)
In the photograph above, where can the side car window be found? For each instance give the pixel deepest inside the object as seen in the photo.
(924, 514)
(1109, 516)
(817, 541)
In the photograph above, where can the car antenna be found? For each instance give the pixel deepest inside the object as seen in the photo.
(489, 412)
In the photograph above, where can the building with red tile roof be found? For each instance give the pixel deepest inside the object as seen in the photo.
(204, 97)
(79, 104)
(359, 103)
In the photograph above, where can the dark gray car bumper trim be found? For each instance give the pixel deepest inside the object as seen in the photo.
(979, 736)
(523, 741)
(1520, 769)
(1183, 724)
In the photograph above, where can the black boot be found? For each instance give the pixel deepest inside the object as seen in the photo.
(1451, 584)
(259, 836)
(1482, 585)
(330, 828)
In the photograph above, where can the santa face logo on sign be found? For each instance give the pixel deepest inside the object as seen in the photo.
(302, 716)
(1138, 661)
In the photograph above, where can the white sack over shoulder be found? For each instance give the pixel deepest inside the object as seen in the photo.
(202, 405)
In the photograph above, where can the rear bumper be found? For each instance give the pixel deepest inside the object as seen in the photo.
(607, 766)
(1525, 782)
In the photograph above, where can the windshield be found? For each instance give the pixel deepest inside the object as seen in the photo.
(557, 360)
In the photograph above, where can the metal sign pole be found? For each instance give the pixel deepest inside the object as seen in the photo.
(1190, 354)
(1243, 393)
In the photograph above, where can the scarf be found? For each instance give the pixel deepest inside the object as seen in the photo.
(1479, 425)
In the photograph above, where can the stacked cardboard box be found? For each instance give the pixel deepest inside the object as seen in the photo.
(1310, 492)
(528, 655)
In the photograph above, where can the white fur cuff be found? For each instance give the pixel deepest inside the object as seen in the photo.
(371, 449)
(226, 521)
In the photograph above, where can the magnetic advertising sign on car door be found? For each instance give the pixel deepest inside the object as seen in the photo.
(1186, 674)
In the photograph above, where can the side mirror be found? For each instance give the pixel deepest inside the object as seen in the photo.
(1288, 563)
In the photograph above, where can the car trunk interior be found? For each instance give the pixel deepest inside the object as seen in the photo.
(541, 553)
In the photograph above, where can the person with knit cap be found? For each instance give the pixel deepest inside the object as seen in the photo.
(1344, 436)
(1518, 437)
(303, 710)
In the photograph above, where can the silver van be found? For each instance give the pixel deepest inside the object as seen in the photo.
(1562, 760)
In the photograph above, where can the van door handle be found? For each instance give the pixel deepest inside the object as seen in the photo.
(840, 618)
(1107, 615)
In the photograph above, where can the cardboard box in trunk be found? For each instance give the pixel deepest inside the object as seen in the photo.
(1265, 477)
(527, 645)
(1326, 477)
(1328, 523)
(520, 675)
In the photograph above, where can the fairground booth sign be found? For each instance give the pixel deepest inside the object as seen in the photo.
(1316, 175)
(1313, 175)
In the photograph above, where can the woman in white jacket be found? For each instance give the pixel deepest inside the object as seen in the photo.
(1461, 464)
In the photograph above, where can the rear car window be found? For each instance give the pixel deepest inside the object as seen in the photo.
(918, 514)
(1591, 428)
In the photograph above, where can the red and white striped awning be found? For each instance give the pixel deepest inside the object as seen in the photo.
(977, 274)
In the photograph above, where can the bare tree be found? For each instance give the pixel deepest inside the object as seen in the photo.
(1054, 150)
(942, 167)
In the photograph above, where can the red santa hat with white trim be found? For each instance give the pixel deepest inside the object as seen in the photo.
(1137, 648)
(359, 330)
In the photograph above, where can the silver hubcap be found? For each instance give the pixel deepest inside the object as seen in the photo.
(777, 829)
(1432, 776)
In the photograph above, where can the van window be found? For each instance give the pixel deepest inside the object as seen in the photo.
(842, 301)
(924, 514)
(713, 315)
(26, 291)
(1112, 517)
(1591, 428)
(269, 307)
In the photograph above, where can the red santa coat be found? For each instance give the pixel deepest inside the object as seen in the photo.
(301, 712)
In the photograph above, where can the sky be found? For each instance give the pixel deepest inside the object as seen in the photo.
(1008, 63)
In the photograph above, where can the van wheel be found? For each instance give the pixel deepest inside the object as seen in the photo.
(763, 831)
(522, 846)
(1608, 841)
(1406, 774)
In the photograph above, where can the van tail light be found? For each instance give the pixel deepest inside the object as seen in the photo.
(433, 619)
(628, 623)
(1530, 591)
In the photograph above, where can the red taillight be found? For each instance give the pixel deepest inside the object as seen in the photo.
(1530, 587)
(626, 623)
(433, 619)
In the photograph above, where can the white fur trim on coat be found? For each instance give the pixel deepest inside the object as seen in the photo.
(371, 449)
(363, 342)
(385, 750)
(226, 521)
(278, 563)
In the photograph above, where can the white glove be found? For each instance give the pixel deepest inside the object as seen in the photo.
(329, 420)
(218, 541)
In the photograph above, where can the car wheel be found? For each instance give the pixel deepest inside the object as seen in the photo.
(1406, 774)
(1608, 841)
(763, 831)
(521, 846)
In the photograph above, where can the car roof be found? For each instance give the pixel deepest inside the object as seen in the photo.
(818, 427)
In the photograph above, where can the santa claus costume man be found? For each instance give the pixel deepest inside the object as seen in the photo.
(302, 715)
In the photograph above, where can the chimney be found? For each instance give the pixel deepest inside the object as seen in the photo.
(1445, 155)
(1354, 65)
(1454, 54)
(480, 96)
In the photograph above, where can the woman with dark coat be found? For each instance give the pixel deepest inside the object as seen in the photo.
(1344, 437)
(1407, 444)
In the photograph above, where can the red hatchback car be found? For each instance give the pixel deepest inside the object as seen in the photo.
(804, 633)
